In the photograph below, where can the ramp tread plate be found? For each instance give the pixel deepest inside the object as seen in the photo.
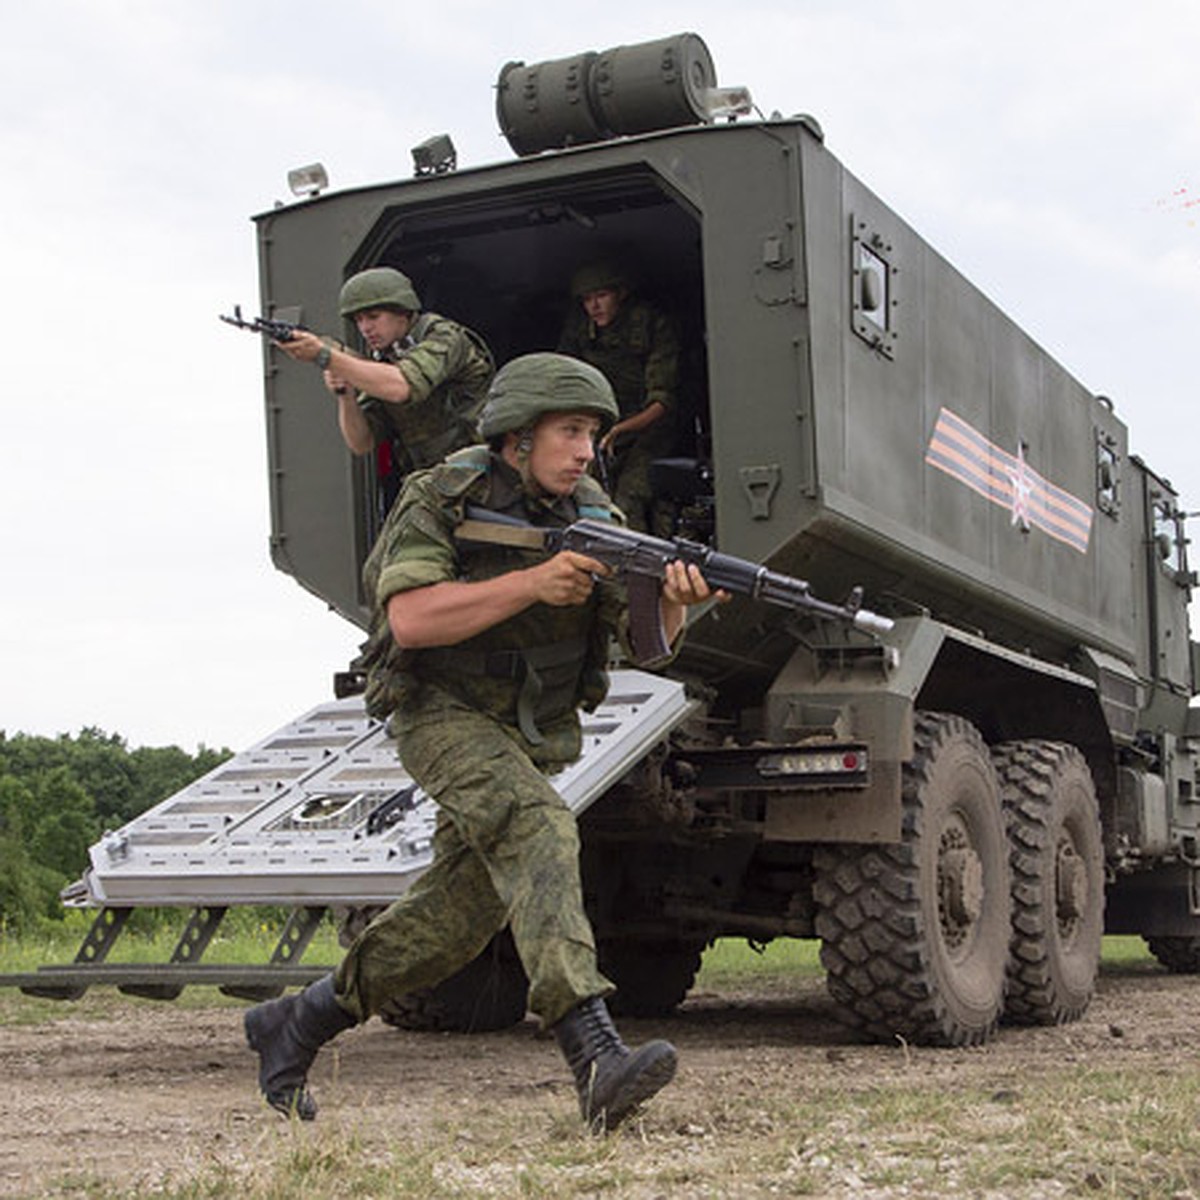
(299, 836)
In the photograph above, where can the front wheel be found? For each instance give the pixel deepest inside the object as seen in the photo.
(915, 935)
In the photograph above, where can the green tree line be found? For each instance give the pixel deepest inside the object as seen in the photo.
(57, 795)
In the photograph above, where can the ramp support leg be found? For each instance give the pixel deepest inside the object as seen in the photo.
(193, 941)
(302, 923)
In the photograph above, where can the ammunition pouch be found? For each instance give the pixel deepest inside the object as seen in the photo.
(380, 659)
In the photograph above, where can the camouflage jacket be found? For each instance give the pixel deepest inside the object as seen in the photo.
(531, 672)
(448, 368)
(639, 355)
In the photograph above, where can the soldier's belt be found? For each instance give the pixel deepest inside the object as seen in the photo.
(505, 664)
(548, 675)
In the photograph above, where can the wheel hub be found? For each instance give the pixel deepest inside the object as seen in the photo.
(1070, 884)
(962, 886)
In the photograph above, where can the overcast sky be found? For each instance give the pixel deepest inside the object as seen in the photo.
(1050, 150)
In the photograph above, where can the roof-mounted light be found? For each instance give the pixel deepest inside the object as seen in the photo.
(308, 181)
(434, 156)
(727, 103)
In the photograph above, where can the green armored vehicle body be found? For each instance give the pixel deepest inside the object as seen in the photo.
(958, 807)
(943, 804)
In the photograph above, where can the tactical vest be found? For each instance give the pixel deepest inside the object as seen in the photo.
(639, 356)
(530, 671)
(621, 351)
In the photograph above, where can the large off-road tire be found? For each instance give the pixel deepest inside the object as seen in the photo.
(1057, 859)
(914, 936)
(491, 992)
(1180, 955)
(652, 977)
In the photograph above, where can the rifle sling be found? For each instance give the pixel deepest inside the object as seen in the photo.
(501, 534)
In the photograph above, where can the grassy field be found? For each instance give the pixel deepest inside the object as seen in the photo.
(764, 1107)
(249, 936)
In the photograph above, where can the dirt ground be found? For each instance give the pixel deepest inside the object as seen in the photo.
(117, 1090)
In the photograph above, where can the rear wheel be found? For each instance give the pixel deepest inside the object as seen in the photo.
(915, 935)
(652, 977)
(1057, 858)
(1180, 955)
(491, 992)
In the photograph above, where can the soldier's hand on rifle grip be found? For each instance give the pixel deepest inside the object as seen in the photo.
(302, 346)
(337, 385)
(567, 578)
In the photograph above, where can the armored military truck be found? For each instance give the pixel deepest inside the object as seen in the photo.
(957, 808)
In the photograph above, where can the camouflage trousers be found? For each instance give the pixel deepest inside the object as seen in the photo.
(505, 851)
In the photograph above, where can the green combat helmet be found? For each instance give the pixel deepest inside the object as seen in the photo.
(378, 287)
(532, 385)
(599, 276)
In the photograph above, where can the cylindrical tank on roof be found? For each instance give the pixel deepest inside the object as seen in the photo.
(547, 105)
(591, 97)
(654, 85)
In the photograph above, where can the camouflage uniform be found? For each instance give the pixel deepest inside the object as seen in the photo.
(478, 724)
(638, 352)
(448, 368)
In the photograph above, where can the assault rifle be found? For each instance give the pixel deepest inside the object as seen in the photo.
(641, 560)
(277, 331)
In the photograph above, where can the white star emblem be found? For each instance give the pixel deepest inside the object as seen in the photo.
(1022, 488)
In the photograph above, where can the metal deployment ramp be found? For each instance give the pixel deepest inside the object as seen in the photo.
(321, 813)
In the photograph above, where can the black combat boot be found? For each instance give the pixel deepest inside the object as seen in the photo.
(611, 1079)
(286, 1034)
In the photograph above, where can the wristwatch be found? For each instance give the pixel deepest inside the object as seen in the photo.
(322, 359)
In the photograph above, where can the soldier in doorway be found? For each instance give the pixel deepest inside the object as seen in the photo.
(636, 345)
